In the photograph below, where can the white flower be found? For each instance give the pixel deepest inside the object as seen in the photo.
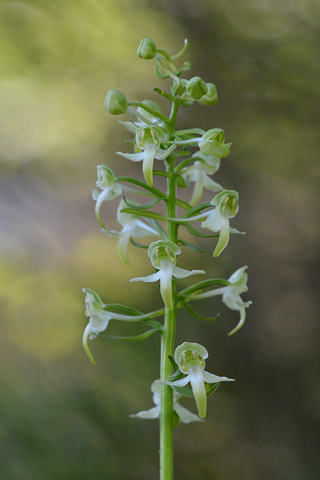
(133, 226)
(231, 295)
(212, 143)
(227, 206)
(149, 140)
(98, 320)
(100, 317)
(185, 415)
(163, 257)
(190, 358)
(198, 173)
(109, 186)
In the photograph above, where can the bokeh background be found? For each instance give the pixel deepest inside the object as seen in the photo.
(63, 418)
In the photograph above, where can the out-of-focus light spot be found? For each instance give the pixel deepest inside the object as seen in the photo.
(45, 316)
(261, 19)
(96, 261)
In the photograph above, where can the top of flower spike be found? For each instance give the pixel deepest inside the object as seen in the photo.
(147, 49)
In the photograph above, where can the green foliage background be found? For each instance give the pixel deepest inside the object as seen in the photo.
(61, 417)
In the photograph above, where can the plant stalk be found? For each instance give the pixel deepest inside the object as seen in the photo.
(168, 335)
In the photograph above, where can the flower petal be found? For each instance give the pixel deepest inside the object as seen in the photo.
(197, 191)
(224, 235)
(135, 157)
(182, 382)
(212, 222)
(185, 415)
(150, 278)
(166, 283)
(162, 154)
(211, 378)
(199, 390)
(182, 273)
(123, 247)
(147, 165)
(148, 414)
(211, 184)
(85, 337)
(242, 311)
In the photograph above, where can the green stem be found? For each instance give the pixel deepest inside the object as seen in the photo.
(168, 334)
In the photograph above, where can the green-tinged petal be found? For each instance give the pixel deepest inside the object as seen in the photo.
(147, 165)
(242, 311)
(166, 283)
(135, 157)
(199, 390)
(185, 415)
(210, 184)
(224, 235)
(103, 196)
(197, 192)
(85, 343)
(148, 414)
(123, 247)
(211, 378)
(212, 222)
(162, 154)
(182, 273)
(154, 277)
(182, 382)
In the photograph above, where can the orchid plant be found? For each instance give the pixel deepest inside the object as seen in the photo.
(190, 156)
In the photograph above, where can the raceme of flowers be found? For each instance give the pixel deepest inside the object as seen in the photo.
(183, 159)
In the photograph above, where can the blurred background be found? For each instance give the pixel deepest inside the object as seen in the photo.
(60, 416)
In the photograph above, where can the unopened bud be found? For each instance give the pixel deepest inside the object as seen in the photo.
(116, 102)
(178, 87)
(211, 96)
(147, 49)
(196, 88)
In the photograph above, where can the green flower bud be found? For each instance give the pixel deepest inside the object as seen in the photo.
(116, 102)
(178, 87)
(196, 88)
(147, 49)
(211, 96)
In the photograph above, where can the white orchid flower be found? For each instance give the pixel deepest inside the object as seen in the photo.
(190, 358)
(109, 186)
(100, 317)
(133, 226)
(231, 295)
(199, 173)
(98, 320)
(227, 206)
(148, 139)
(184, 414)
(212, 143)
(163, 257)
